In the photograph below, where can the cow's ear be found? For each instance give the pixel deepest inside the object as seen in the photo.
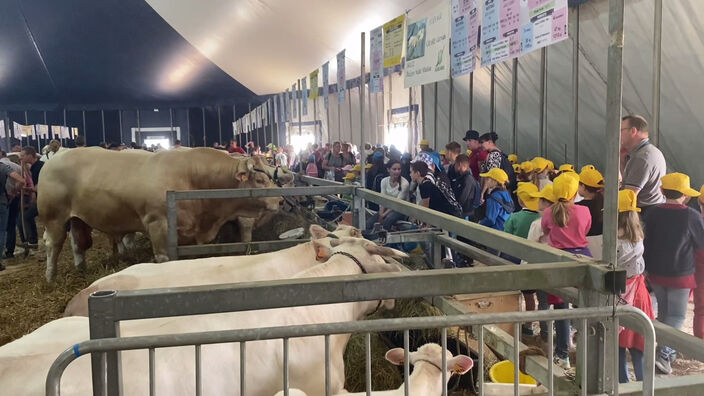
(242, 176)
(395, 356)
(317, 232)
(385, 251)
(460, 364)
(322, 252)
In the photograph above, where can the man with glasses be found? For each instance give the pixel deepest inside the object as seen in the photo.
(643, 164)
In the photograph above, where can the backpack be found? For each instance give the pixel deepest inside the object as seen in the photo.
(508, 206)
(477, 199)
(507, 167)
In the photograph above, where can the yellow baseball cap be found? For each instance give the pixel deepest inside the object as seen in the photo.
(551, 165)
(516, 168)
(545, 193)
(442, 152)
(702, 194)
(527, 166)
(678, 182)
(565, 187)
(591, 177)
(469, 152)
(357, 168)
(497, 174)
(512, 158)
(368, 166)
(524, 192)
(540, 164)
(350, 176)
(566, 168)
(424, 143)
(627, 201)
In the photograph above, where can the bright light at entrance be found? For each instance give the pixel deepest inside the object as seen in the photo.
(163, 142)
(398, 136)
(300, 142)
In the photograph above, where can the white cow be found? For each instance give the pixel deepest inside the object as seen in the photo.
(426, 379)
(220, 363)
(281, 264)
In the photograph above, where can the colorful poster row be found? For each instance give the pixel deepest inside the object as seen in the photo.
(19, 131)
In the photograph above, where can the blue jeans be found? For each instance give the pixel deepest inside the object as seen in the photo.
(562, 332)
(543, 306)
(11, 238)
(636, 358)
(388, 222)
(30, 233)
(672, 310)
(4, 210)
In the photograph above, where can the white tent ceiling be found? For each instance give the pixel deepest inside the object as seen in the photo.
(267, 44)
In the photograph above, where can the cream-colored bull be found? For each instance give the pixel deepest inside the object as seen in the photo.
(125, 192)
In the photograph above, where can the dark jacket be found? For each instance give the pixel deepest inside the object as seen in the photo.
(464, 186)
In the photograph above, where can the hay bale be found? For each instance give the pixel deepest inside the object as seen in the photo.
(385, 375)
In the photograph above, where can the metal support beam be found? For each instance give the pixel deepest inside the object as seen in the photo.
(471, 98)
(574, 24)
(139, 128)
(102, 324)
(449, 118)
(657, 70)
(514, 106)
(119, 115)
(102, 122)
(299, 96)
(171, 125)
(313, 291)
(363, 158)
(492, 99)
(543, 102)
(435, 114)
(202, 112)
(515, 246)
(219, 124)
(84, 122)
(237, 248)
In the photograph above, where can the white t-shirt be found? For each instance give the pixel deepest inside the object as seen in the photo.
(387, 189)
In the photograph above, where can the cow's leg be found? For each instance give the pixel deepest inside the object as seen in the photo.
(81, 240)
(246, 225)
(156, 229)
(54, 237)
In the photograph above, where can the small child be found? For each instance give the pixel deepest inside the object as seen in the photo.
(591, 188)
(674, 248)
(499, 204)
(312, 168)
(541, 170)
(630, 258)
(567, 225)
(519, 224)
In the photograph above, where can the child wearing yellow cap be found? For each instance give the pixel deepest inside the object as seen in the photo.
(629, 257)
(541, 168)
(674, 250)
(567, 225)
(499, 204)
(518, 224)
(591, 189)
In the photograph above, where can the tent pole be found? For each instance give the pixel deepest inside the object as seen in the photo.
(657, 67)
(575, 83)
(299, 95)
(102, 120)
(471, 98)
(435, 114)
(139, 129)
(492, 100)
(514, 106)
(84, 125)
(188, 125)
(171, 124)
(449, 124)
(362, 157)
(119, 115)
(219, 124)
(543, 102)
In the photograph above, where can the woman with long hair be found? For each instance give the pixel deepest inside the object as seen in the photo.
(394, 186)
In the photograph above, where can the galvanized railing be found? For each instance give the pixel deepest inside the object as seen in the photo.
(101, 347)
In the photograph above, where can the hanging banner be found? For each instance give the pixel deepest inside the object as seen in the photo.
(42, 130)
(464, 35)
(341, 77)
(74, 133)
(393, 41)
(28, 131)
(304, 97)
(326, 83)
(55, 131)
(427, 52)
(511, 28)
(376, 60)
(282, 110)
(17, 130)
(65, 132)
(313, 85)
(265, 113)
(294, 99)
(3, 133)
(287, 105)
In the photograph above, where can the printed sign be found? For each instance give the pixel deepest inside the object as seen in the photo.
(393, 41)
(427, 52)
(465, 35)
(376, 60)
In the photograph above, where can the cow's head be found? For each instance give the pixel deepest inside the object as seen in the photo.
(369, 255)
(431, 353)
(280, 175)
(248, 176)
(318, 232)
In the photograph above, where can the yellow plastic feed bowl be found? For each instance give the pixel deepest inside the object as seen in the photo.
(502, 372)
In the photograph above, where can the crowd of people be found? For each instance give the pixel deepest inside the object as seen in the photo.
(660, 237)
